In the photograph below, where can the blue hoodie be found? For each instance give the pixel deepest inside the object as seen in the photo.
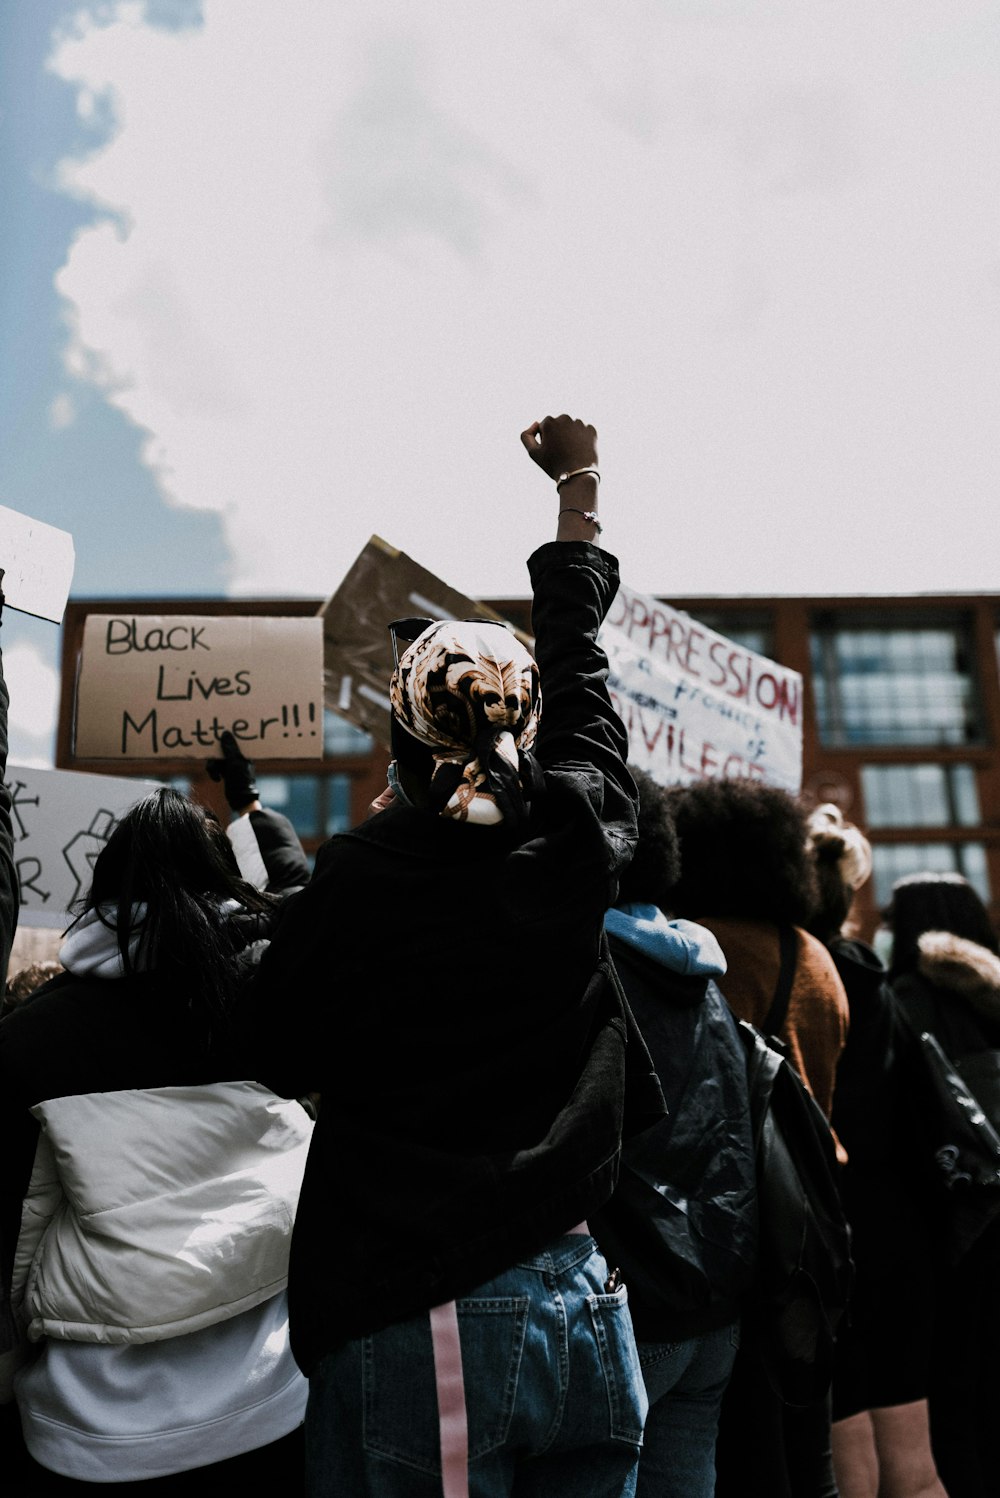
(681, 946)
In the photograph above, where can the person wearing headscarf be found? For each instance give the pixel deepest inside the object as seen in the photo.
(442, 983)
(465, 709)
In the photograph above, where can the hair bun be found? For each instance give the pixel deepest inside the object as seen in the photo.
(829, 833)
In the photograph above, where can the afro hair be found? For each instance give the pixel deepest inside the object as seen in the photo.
(744, 853)
(656, 865)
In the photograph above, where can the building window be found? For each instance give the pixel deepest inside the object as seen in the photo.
(338, 804)
(906, 685)
(297, 796)
(341, 738)
(316, 805)
(892, 861)
(920, 795)
(750, 632)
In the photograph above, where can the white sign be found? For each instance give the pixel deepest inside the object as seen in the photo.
(38, 565)
(61, 821)
(696, 705)
(168, 686)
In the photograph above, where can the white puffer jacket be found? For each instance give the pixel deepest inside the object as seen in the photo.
(154, 1214)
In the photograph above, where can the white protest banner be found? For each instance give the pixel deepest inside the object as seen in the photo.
(382, 585)
(61, 822)
(38, 565)
(696, 705)
(167, 686)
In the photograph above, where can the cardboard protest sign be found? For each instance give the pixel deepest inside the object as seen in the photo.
(167, 686)
(61, 822)
(382, 585)
(38, 565)
(697, 706)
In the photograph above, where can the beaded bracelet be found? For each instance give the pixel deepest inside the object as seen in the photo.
(589, 515)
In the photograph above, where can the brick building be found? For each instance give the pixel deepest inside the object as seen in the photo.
(901, 728)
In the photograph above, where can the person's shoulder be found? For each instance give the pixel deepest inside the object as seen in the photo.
(34, 1008)
(813, 953)
(817, 968)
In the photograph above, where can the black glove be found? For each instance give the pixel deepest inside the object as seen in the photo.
(235, 771)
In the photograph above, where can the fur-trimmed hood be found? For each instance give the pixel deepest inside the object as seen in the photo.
(963, 967)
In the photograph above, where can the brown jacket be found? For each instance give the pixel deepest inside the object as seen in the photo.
(815, 1027)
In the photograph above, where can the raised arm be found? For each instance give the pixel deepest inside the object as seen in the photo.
(266, 844)
(582, 744)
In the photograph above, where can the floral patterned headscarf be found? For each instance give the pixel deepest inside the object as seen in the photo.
(468, 690)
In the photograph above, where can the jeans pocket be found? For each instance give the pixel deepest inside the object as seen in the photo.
(627, 1400)
(652, 1354)
(400, 1391)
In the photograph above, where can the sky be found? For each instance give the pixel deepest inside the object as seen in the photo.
(279, 274)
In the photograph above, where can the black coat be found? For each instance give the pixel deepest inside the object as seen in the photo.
(440, 985)
(879, 1102)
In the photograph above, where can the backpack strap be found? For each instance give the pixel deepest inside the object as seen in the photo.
(789, 945)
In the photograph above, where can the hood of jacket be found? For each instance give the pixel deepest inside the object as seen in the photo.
(680, 946)
(90, 947)
(962, 967)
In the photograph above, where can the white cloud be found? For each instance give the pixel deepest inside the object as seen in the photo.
(62, 412)
(33, 684)
(356, 248)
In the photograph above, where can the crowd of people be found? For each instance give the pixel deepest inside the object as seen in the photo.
(435, 1170)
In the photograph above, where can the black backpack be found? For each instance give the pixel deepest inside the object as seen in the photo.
(805, 1271)
(682, 1222)
(961, 1120)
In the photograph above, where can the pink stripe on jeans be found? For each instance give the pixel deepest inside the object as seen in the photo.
(452, 1417)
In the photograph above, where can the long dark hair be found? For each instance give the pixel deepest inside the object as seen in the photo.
(173, 858)
(934, 902)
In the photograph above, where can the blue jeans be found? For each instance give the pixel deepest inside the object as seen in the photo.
(685, 1382)
(554, 1396)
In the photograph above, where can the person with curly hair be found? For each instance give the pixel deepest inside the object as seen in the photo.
(747, 875)
(746, 871)
(682, 1223)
